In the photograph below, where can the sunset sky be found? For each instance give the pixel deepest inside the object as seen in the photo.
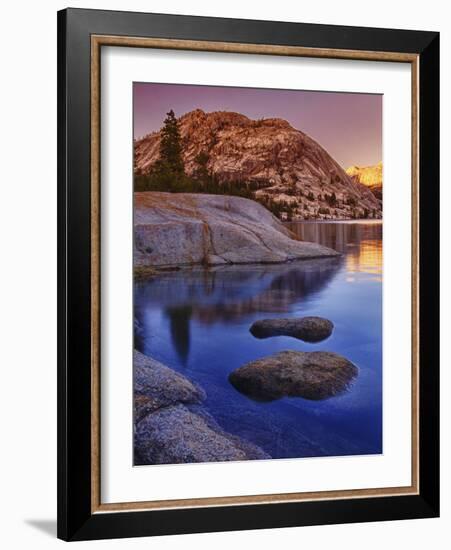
(348, 126)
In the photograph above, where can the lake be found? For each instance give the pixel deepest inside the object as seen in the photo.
(197, 322)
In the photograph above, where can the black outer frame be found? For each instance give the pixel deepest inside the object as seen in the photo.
(75, 520)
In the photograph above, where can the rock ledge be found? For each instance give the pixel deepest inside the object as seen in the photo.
(185, 229)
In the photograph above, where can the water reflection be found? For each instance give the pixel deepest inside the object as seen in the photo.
(361, 242)
(197, 321)
(225, 294)
(367, 259)
(211, 296)
(180, 318)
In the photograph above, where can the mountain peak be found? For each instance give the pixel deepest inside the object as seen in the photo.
(370, 176)
(278, 163)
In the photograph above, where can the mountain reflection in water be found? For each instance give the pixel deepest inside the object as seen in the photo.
(197, 321)
(361, 242)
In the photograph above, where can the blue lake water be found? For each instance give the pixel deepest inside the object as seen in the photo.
(197, 322)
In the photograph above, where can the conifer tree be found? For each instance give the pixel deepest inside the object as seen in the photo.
(171, 144)
(169, 171)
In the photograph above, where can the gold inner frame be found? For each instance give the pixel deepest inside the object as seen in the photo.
(97, 41)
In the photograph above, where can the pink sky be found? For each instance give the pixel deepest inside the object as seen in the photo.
(347, 125)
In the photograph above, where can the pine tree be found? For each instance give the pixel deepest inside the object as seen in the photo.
(171, 144)
(169, 171)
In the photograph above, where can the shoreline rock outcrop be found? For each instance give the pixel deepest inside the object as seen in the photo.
(186, 229)
(312, 375)
(309, 329)
(157, 386)
(176, 434)
(172, 426)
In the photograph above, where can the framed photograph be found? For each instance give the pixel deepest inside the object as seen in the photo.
(248, 274)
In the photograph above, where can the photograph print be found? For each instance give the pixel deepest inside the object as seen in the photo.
(257, 274)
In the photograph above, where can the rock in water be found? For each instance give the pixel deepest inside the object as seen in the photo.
(156, 386)
(183, 229)
(176, 435)
(309, 329)
(312, 375)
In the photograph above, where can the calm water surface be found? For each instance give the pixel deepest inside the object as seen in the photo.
(197, 322)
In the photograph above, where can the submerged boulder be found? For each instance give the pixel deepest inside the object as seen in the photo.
(176, 434)
(156, 386)
(309, 329)
(312, 375)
